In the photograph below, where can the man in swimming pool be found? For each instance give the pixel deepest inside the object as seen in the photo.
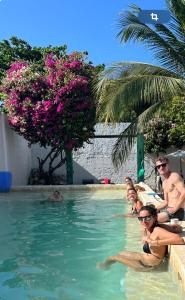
(174, 192)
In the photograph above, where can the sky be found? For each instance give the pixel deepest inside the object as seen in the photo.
(83, 25)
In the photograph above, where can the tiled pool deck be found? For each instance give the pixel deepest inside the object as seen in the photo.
(177, 252)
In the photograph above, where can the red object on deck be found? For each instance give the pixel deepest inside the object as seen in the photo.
(106, 181)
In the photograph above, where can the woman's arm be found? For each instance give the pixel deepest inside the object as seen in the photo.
(162, 237)
(175, 228)
(139, 205)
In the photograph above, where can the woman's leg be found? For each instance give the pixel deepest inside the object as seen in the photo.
(135, 260)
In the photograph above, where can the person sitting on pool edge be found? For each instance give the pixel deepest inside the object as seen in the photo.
(56, 197)
(131, 185)
(156, 238)
(174, 192)
(136, 204)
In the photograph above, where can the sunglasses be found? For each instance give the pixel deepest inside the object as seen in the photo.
(161, 165)
(145, 219)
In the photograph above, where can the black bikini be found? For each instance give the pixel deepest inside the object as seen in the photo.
(146, 248)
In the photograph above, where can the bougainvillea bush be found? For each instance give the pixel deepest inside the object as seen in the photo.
(55, 108)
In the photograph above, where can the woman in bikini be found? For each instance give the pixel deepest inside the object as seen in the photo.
(156, 238)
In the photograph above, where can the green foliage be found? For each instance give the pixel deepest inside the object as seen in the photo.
(161, 133)
(156, 136)
(142, 87)
(176, 114)
(17, 49)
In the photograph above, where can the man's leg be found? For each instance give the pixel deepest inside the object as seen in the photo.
(162, 217)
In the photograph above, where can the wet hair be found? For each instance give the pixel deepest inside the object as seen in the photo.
(151, 209)
(128, 178)
(162, 159)
(56, 192)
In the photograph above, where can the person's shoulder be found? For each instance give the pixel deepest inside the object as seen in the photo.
(159, 229)
(175, 177)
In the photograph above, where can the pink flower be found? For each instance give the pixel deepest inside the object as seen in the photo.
(49, 62)
(15, 67)
(14, 121)
(47, 104)
(76, 65)
(66, 65)
(60, 107)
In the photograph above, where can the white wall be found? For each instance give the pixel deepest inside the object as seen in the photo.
(15, 156)
(93, 161)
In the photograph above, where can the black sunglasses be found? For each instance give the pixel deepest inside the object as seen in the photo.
(145, 219)
(161, 165)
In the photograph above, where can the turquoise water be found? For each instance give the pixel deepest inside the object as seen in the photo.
(49, 251)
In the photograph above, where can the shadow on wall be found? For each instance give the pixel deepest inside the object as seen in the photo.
(82, 176)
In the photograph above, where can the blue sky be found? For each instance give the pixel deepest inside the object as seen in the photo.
(84, 25)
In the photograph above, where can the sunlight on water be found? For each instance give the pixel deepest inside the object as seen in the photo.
(49, 251)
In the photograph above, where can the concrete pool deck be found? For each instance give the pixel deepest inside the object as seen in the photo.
(177, 252)
(85, 187)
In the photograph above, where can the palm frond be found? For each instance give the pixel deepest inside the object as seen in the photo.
(177, 8)
(127, 139)
(133, 29)
(139, 85)
(147, 115)
(124, 144)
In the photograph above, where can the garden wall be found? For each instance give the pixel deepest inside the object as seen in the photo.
(15, 156)
(91, 163)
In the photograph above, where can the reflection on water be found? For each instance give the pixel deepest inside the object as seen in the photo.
(49, 251)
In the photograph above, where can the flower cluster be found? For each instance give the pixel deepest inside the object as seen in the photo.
(54, 108)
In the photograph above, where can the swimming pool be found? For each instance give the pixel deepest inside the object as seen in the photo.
(49, 251)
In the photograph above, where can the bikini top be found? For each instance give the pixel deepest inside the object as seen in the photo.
(146, 248)
(134, 211)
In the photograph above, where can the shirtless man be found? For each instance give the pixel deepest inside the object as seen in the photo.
(174, 192)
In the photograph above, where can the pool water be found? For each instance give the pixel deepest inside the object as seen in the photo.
(49, 251)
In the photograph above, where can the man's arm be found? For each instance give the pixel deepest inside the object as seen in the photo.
(164, 202)
(179, 186)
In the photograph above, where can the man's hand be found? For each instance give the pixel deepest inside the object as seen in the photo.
(171, 210)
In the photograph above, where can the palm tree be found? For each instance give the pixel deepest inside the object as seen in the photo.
(140, 86)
